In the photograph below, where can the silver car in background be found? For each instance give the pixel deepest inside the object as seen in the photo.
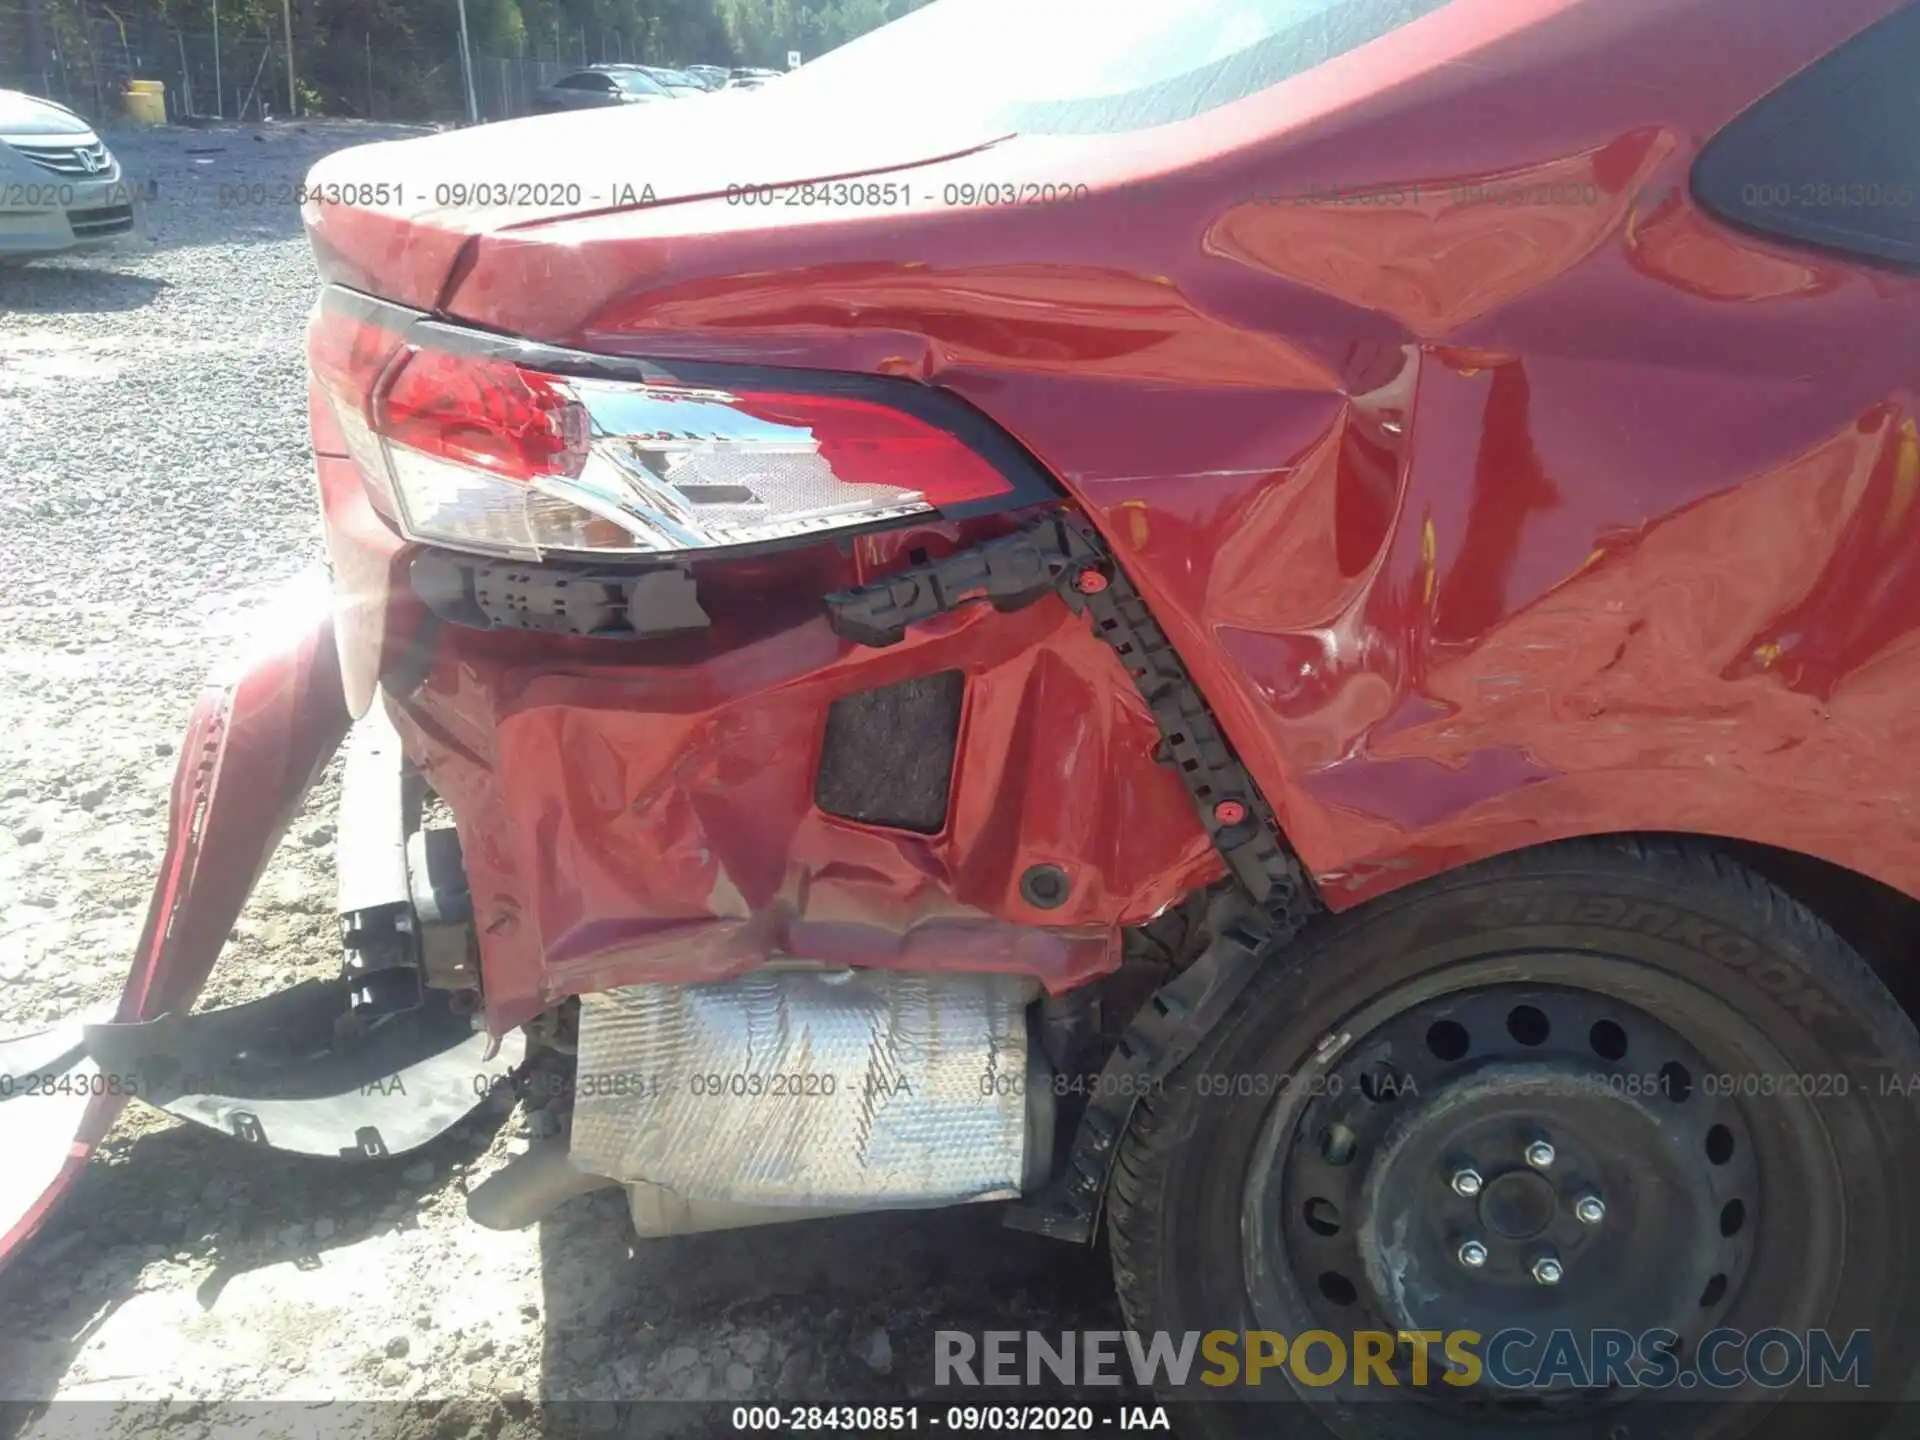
(60, 187)
(599, 85)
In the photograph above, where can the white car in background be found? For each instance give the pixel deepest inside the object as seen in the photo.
(60, 187)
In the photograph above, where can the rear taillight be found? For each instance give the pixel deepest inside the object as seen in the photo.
(477, 451)
(482, 415)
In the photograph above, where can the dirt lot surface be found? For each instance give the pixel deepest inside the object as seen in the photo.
(155, 487)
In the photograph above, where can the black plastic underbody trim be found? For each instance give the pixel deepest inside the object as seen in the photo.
(583, 601)
(1063, 554)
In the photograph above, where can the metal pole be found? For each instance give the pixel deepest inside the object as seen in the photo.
(466, 67)
(219, 96)
(293, 100)
(266, 52)
(36, 46)
(93, 58)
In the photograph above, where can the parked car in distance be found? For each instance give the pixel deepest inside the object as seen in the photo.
(713, 77)
(61, 189)
(677, 82)
(750, 78)
(598, 86)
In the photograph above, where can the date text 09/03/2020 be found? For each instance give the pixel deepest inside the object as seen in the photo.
(950, 1419)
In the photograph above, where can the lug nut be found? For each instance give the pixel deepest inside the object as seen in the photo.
(1590, 1209)
(1547, 1270)
(1466, 1182)
(1473, 1255)
(1540, 1154)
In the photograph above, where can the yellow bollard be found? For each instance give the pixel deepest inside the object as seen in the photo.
(145, 102)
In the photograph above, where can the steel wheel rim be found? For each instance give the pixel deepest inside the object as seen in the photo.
(1287, 1249)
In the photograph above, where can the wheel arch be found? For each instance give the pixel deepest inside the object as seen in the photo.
(1878, 920)
(1160, 1216)
(1874, 916)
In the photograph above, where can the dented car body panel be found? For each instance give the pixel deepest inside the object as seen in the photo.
(1333, 370)
(1491, 490)
(628, 824)
(644, 812)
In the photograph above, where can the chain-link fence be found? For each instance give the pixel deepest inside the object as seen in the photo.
(89, 53)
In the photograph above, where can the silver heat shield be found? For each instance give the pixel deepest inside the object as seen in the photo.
(844, 1090)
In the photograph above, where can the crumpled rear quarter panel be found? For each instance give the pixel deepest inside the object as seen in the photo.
(625, 824)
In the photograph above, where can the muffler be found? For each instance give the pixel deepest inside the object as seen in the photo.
(790, 1093)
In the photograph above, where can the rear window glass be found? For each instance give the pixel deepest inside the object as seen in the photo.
(1063, 67)
(1832, 157)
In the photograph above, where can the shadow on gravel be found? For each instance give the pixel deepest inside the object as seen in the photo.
(797, 1312)
(186, 216)
(188, 1195)
(73, 289)
(841, 1311)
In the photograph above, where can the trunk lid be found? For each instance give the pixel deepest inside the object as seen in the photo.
(392, 219)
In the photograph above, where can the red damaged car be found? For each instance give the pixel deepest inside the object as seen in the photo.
(1286, 631)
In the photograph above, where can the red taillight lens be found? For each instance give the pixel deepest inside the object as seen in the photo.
(868, 444)
(473, 450)
(488, 414)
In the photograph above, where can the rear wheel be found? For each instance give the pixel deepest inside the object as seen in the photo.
(1604, 1087)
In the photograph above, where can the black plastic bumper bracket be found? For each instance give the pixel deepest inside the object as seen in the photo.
(1062, 554)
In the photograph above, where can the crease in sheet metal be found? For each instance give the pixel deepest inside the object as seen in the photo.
(860, 1089)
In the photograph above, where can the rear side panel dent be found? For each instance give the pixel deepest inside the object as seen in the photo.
(1392, 610)
(627, 824)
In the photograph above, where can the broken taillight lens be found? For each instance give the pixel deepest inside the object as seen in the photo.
(475, 451)
(481, 414)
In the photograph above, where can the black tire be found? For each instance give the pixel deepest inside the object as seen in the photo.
(1678, 945)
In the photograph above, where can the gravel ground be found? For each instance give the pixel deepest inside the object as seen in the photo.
(155, 487)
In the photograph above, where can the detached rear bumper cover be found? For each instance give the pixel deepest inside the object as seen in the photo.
(258, 736)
